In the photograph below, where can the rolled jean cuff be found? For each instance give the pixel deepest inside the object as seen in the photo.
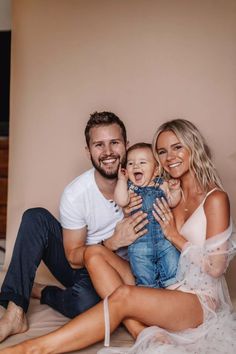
(17, 299)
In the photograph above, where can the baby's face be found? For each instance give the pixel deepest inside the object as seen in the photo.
(141, 166)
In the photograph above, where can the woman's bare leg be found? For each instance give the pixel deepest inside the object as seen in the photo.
(13, 321)
(169, 309)
(107, 272)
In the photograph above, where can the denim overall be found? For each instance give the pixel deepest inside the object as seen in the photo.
(153, 259)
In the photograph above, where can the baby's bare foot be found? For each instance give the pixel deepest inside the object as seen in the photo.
(13, 321)
(37, 290)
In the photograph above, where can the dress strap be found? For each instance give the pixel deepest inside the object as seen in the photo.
(211, 191)
(107, 322)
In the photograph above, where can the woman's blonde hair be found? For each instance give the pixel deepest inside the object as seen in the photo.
(200, 156)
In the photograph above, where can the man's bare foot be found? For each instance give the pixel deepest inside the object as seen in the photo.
(2, 311)
(37, 290)
(13, 321)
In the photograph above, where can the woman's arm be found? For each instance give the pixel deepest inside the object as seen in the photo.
(217, 211)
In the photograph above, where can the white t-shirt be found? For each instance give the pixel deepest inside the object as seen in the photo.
(82, 204)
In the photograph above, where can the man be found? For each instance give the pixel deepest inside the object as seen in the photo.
(88, 216)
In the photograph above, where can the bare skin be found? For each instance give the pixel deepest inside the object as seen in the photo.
(2, 311)
(169, 309)
(172, 310)
(13, 321)
(107, 272)
(107, 149)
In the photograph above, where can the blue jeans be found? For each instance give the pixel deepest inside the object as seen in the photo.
(40, 239)
(153, 259)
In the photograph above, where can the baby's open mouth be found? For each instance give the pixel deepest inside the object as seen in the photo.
(138, 176)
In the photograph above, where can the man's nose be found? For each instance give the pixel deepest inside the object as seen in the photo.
(107, 149)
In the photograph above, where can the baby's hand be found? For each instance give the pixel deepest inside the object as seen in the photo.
(122, 174)
(174, 184)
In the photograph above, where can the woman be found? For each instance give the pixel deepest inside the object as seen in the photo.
(193, 315)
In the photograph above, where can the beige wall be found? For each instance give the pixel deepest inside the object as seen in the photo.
(146, 60)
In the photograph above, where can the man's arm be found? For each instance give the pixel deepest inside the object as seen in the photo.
(74, 245)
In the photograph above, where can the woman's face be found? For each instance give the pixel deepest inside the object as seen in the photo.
(173, 156)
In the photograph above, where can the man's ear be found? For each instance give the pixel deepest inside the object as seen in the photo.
(87, 152)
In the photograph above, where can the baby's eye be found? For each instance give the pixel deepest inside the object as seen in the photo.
(143, 162)
(129, 163)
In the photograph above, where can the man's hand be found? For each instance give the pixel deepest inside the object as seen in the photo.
(134, 204)
(127, 231)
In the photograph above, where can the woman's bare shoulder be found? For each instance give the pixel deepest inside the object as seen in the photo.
(216, 199)
(217, 211)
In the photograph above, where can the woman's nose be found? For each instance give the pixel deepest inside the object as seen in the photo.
(170, 155)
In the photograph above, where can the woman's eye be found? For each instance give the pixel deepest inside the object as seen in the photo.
(161, 152)
(177, 147)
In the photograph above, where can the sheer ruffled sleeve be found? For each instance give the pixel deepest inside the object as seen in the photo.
(199, 265)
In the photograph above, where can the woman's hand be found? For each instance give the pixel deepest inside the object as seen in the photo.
(134, 204)
(165, 217)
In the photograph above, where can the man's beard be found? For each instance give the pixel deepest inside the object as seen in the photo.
(107, 174)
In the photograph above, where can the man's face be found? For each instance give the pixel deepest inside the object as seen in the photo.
(107, 149)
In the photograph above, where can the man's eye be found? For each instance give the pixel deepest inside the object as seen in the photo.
(115, 142)
(98, 145)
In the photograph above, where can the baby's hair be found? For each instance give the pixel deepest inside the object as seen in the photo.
(139, 146)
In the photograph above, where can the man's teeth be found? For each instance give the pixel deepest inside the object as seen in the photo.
(108, 161)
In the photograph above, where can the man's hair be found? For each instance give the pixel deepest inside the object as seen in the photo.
(200, 156)
(103, 118)
(139, 146)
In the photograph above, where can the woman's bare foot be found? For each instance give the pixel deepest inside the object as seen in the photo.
(13, 321)
(37, 290)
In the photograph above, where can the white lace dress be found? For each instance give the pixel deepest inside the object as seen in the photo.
(201, 267)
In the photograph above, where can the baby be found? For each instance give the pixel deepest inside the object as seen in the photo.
(152, 257)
